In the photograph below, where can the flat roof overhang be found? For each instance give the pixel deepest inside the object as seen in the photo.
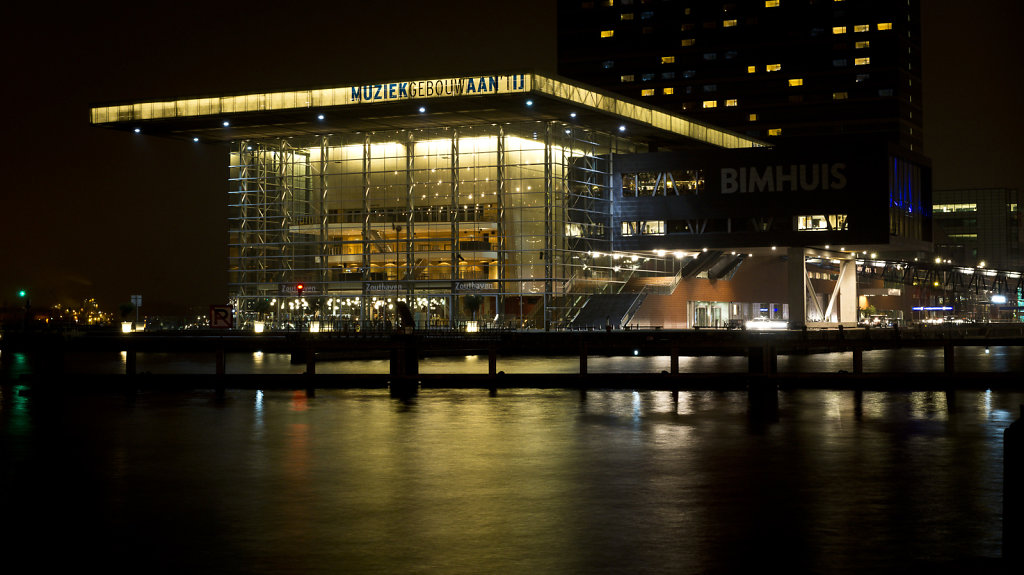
(500, 98)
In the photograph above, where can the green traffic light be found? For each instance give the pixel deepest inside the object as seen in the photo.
(22, 293)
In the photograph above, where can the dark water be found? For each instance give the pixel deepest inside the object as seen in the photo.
(525, 481)
(522, 482)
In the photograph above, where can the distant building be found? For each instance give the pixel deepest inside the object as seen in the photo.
(771, 69)
(979, 227)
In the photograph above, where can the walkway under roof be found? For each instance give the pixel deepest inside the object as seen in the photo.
(412, 104)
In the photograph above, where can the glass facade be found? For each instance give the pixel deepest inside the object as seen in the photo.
(503, 224)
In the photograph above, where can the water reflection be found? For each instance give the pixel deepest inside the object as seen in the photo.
(547, 481)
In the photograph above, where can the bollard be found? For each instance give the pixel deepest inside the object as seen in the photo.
(948, 357)
(1013, 484)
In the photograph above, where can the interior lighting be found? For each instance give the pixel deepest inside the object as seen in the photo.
(572, 115)
(226, 123)
(622, 128)
(320, 117)
(196, 139)
(423, 109)
(137, 130)
(529, 102)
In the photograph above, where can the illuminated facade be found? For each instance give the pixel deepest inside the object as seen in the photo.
(528, 201)
(469, 199)
(504, 219)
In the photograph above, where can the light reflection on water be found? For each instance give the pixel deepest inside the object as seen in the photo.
(998, 359)
(527, 481)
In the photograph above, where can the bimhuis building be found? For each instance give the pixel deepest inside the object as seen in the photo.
(522, 200)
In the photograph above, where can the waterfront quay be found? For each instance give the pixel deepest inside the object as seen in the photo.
(404, 351)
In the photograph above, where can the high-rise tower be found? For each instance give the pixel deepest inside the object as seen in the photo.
(772, 69)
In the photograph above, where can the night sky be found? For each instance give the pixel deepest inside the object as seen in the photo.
(88, 212)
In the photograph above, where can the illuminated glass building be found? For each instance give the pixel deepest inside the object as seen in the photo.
(771, 69)
(478, 198)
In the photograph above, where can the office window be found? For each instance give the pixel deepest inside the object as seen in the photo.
(840, 63)
(861, 61)
(751, 69)
(668, 75)
(627, 16)
(771, 3)
(885, 92)
(607, 64)
(668, 59)
(752, 117)
(711, 87)
(885, 26)
(839, 95)
(839, 29)
(731, 102)
(689, 73)
(646, 15)
(687, 42)
(626, 78)
(862, 44)
(668, 91)
(710, 103)
(796, 81)
(647, 92)
(687, 26)
(648, 228)
(822, 223)
(773, 67)
(607, 33)
(862, 28)
(730, 54)
(711, 56)
(863, 78)
(646, 77)
(774, 131)
(728, 23)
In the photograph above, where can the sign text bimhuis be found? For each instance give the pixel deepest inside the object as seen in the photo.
(784, 178)
(441, 88)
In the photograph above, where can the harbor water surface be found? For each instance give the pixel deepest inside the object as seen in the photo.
(521, 481)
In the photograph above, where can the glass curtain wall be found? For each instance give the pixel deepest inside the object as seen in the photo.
(501, 225)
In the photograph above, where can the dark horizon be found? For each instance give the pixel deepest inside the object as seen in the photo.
(96, 213)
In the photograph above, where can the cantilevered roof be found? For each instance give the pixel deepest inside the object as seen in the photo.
(405, 104)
